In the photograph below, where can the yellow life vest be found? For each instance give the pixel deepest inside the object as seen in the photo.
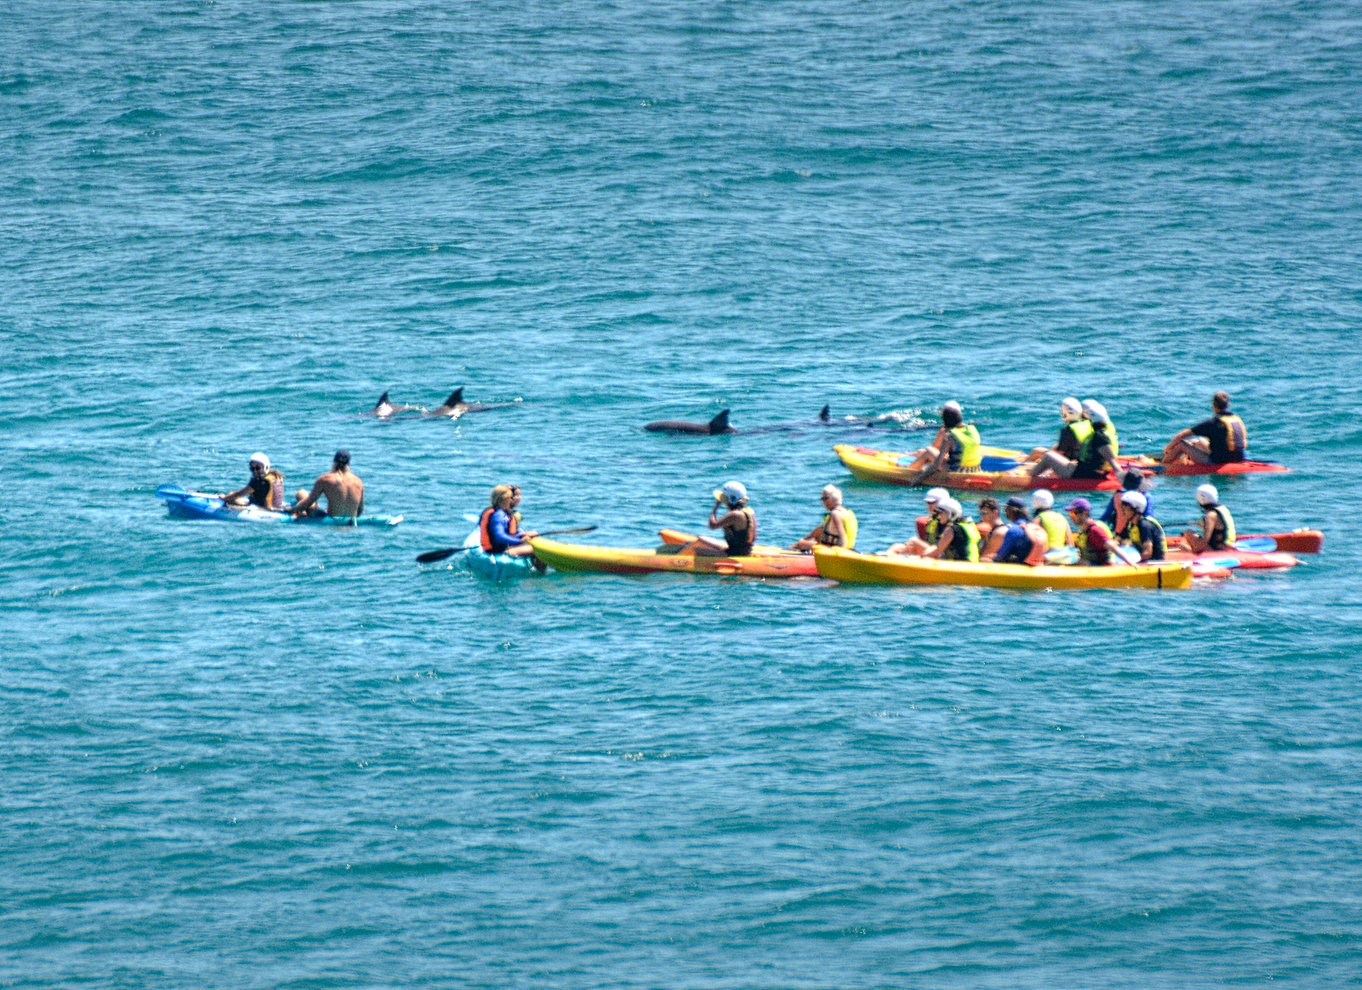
(967, 446)
(1056, 527)
(849, 527)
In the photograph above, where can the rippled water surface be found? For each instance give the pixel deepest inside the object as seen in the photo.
(288, 757)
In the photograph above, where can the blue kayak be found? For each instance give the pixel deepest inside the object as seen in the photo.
(199, 505)
(493, 566)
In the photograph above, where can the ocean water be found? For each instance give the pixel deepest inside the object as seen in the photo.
(289, 757)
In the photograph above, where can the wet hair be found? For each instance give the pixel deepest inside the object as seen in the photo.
(951, 417)
(1221, 401)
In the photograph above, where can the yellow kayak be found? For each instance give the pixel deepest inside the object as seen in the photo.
(885, 466)
(860, 568)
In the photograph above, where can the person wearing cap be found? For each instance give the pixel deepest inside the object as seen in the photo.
(1217, 524)
(1114, 515)
(839, 525)
(499, 525)
(1016, 537)
(264, 489)
(342, 488)
(1073, 433)
(1141, 530)
(738, 523)
(928, 526)
(1094, 541)
(1222, 439)
(1096, 455)
(956, 447)
(1058, 533)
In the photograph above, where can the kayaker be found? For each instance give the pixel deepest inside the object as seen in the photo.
(1141, 530)
(991, 526)
(1073, 432)
(1016, 544)
(264, 489)
(928, 526)
(342, 488)
(1096, 455)
(739, 523)
(1132, 481)
(1217, 524)
(1056, 524)
(838, 528)
(956, 447)
(1222, 439)
(1094, 541)
(499, 525)
(959, 538)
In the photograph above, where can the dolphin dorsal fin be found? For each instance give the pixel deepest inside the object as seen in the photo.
(455, 397)
(826, 414)
(719, 424)
(382, 400)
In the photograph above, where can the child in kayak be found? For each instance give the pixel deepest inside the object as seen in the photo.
(265, 489)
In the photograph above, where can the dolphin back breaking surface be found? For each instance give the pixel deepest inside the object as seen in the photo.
(717, 425)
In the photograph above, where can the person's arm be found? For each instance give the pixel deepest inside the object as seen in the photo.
(1009, 540)
(233, 496)
(947, 534)
(500, 534)
(715, 522)
(1110, 458)
(306, 504)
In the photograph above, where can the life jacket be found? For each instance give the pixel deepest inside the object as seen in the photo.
(964, 543)
(1081, 430)
(966, 453)
(1081, 541)
(1224, 536)
(1056, 527)
(933, 531)
(1090, 461)
(1040, 542)
(1236, 435)
(849, 527)
(740, 544)
(276, 480)
(485, 528)
(1135, 538)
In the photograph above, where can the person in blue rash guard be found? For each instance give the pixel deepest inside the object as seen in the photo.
(499, 526)
(1132, 481)
(1016, 545)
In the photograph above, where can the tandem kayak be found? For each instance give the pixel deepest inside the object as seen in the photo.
(1244, 560)
(851, 567)
(1297, 541)
(199, 505)
(581, 557)
(887, 466)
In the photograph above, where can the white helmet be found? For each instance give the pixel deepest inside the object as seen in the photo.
(1042, 499)
(734, 492)
(1070, 409)
(1207, 495)
(1096, 411)
(935, 495)
(953, 509)
(954, 407)
(261, 459)
(1136, 501)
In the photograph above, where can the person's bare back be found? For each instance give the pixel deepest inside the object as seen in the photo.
(341, 487)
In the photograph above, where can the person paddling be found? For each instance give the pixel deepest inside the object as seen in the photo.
(1222, 439)
(265, 489)
(1073, 433)
(1217, 524)
(838, 528)
(341, 487)
(499, 525)
(1141, 530)
(738, 523)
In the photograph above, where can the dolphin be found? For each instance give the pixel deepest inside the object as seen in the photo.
(384, 408)
(717, 425)
(455, 406)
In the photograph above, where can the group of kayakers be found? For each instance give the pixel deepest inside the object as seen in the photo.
(340, 487)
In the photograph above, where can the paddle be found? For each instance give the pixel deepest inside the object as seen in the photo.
(430, 556)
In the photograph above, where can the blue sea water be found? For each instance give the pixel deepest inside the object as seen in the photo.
(288, 757)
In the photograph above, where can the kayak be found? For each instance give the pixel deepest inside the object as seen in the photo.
(581, 557)
(999, 459)
(200, 505)
(1297, 541)
(887, 466)
(1245, 560)
(493, 566)
(851, 567)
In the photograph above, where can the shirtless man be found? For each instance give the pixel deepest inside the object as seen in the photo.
(343, 490)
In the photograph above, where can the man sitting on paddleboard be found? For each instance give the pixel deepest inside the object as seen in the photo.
(1217, 525)
(838, 528)
(739, 523)
(1222, 439)
(265, 489)
(342, 488)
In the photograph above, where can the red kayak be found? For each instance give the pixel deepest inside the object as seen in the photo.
(1248, 560)
(1297, 541)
